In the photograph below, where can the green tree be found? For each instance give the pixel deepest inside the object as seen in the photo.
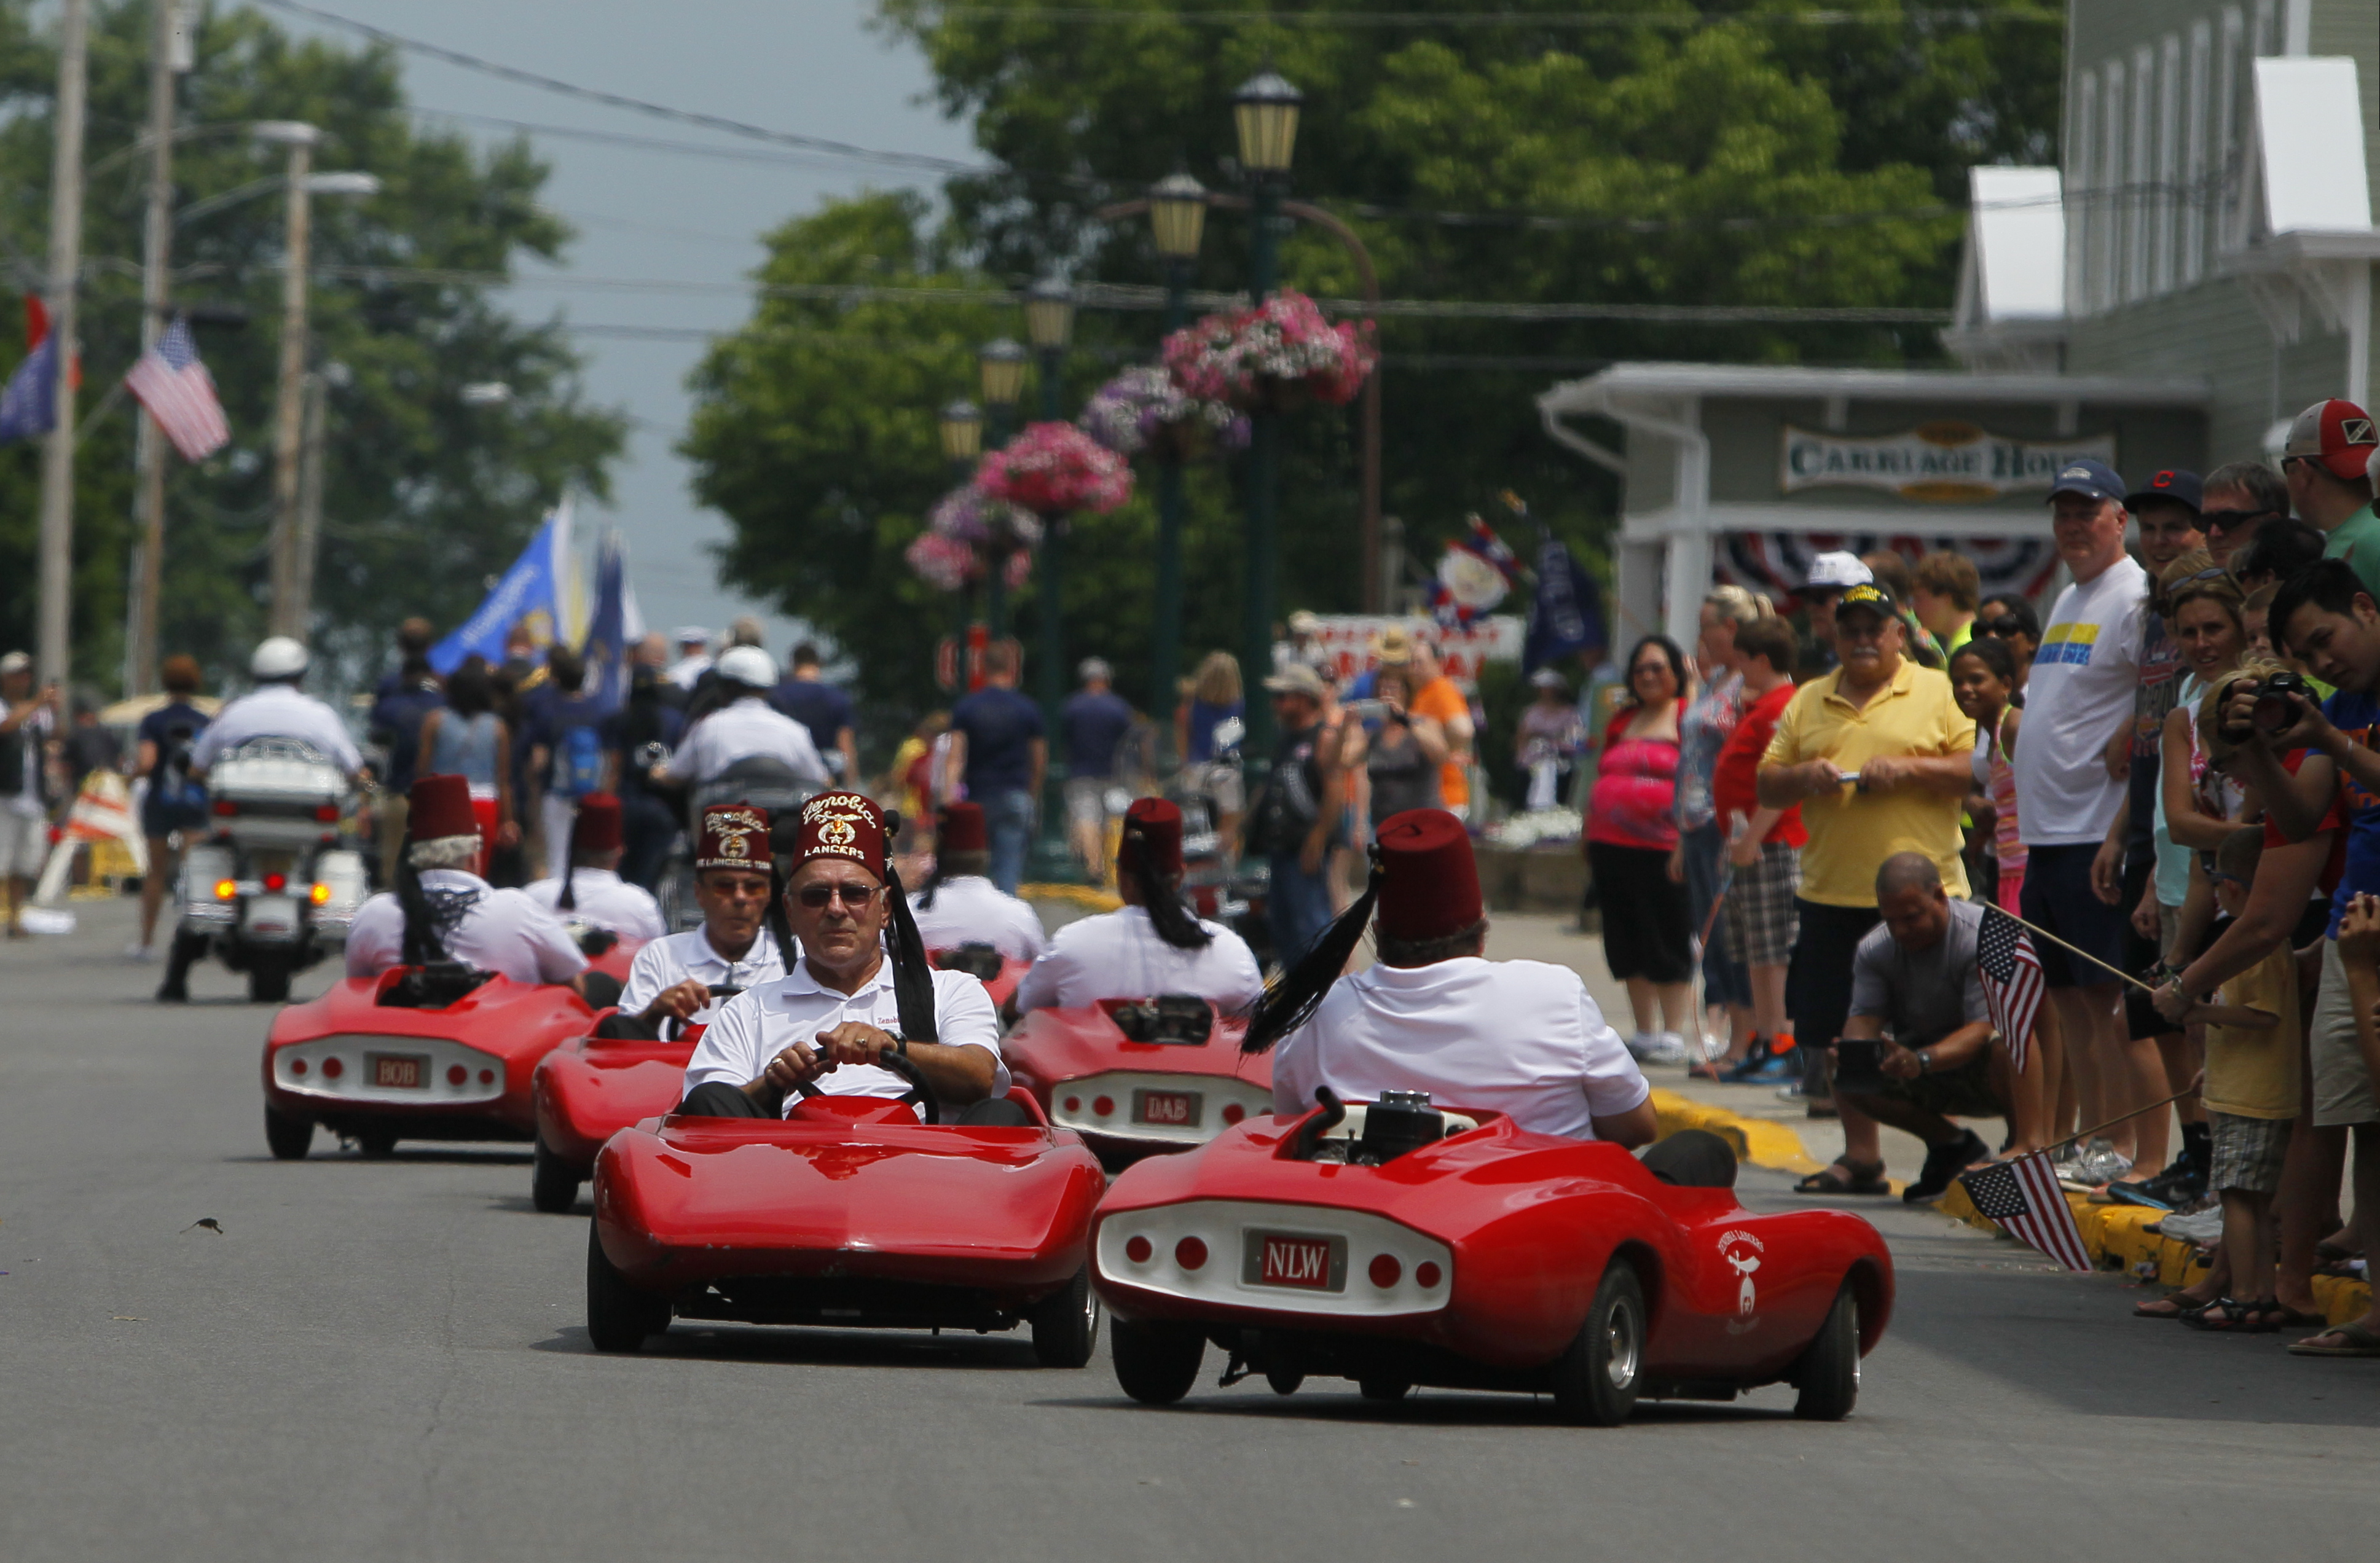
(424, 497)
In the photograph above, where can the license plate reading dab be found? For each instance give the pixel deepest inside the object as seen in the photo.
(1295, 1261)
(395, 1071)
(1169, 1109)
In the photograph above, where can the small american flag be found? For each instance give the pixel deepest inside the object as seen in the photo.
(181, 394)
(2012, 980)
(2023, 1197)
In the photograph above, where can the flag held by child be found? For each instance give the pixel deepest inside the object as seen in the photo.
(2011, 974)
(181, 394)
(2023, 1199)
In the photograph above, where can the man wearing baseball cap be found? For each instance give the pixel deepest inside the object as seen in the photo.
(961, 905)
(683, 977)
(1831, 575)
(591, 889)
(2327, 464)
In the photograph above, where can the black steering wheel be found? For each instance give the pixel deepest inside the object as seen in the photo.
(917, 1095)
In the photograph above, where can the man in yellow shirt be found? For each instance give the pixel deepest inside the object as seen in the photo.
(1877, 752)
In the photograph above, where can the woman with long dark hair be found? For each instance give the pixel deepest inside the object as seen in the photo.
(1631, 831)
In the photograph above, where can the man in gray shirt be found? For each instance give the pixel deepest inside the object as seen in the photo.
(1917, 1006)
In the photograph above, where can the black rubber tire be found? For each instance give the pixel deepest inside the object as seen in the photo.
(619, 1318)
(1597, 1381)
(1384, 1388)
(268, 983)
(1284, 1381)
(288, 1138)
(376, 1144)
(1828, 1373)
(1066, 1323)
(552, 1183)
(1156, 1363)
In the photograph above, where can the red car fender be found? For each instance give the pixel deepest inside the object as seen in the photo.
(591, 1087)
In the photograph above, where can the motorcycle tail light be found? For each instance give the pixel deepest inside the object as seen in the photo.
(225, 809)
(276, 882)
(322, 896)
(226, 889)
(326, 812)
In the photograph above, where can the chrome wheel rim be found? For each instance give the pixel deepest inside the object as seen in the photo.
(1620, 1346)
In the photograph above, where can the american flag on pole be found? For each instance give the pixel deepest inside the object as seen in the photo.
(2011, 974)
(179, 393)
(2023, 1197)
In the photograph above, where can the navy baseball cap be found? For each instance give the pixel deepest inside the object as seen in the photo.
(2091, 479)
(2173, 483)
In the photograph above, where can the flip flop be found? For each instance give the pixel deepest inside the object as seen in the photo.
(2281, 1317)
(2359, 1340)
(1869, 1180)
(2172, 1308)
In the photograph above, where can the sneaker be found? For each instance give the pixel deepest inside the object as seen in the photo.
(2203, 1228)
(1640, 1044)
(1944, 1162)
(1669, 1047)
(2102, 1165)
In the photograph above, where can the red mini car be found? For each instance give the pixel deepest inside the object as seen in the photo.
(417, 1053)
(853, 1212)
(999, 974)
(1396, 1244)
(1138, 1076)
(590, 1088)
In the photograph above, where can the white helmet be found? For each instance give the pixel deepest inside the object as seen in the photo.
(748, 665)
(279, 657)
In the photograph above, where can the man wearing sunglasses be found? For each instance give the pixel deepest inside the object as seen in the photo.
(864, 989)
(2241, 496)
(2327, 465)
(671, 980)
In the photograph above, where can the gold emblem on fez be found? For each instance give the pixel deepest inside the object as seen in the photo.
(836, 834)
(733, 846)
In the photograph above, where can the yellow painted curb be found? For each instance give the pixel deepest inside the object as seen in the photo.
(1091, 899)
(1758, 1141)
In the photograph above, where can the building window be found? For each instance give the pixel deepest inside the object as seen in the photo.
(2197, 189)
(2139, 175)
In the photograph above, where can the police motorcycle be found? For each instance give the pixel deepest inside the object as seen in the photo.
(273, 886)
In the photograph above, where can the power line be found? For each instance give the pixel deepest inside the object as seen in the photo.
(1576, 21)
(641, 143)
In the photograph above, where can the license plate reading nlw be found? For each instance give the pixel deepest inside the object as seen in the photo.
(399, 1072)
(1298, 1261)
(1176, 1109)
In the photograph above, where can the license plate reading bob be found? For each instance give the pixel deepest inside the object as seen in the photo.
(398, 1072)
(1174, 1109)
(1296, 1261)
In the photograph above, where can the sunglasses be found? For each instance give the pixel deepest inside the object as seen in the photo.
(2224, 520)
(816, 897)
(2004, 627)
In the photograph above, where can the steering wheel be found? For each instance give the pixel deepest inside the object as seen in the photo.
(676, 1027)
(918, 1097)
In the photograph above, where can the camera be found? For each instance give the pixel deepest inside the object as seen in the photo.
(2277, 699)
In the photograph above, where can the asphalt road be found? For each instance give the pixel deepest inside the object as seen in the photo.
(387, 1360)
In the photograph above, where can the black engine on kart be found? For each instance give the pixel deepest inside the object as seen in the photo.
(978, 960)
(1400, 1122)
(431, 986)
(1184, 1019)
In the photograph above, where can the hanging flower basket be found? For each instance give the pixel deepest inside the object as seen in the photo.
(1272, 357)
(943, 563)
(1053, 469)
(966, 532)
(1144, 411)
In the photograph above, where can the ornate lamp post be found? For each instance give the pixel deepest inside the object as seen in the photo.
(959, 424)
(1177, 220)
(1264, 112)
(1001, 365)
(1049, 327)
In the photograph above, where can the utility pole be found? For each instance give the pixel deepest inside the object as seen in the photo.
(169, 57)
(66, 262)
(288, 614)
(310, 497)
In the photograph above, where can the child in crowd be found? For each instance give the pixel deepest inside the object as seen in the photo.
(1764, 846)
(1982, 675)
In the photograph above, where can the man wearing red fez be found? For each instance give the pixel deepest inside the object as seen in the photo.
(1520, 1037)
(441, 910)
(1152, 944)
(590, 889)
(961, 905)
(681, 979)
(863, 989)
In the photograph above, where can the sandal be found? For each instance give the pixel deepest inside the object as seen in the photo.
(2229, 1316)
(2170, 1307)
(2355, 1341)
(1869, 1180)
(2279, 1317)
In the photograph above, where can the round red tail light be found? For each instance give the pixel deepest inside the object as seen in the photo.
(456, 1074)
(296, 1066)
(276, 883)
(1233, 1112)
(1190, 1254)
(1072, 1104)
(487, 1077)
(1103, 1104)
(1386, 1272)
(1427, 1276)
(333, 1069)
(1139, 1249)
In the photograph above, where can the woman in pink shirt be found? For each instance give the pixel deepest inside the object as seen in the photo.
(1631, 831)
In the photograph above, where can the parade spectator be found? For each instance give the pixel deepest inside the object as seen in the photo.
(2241, 497)
(693, 656)
(465, 737)
(1699, 859)
(1943, 592)
(1631, 829)
(1092, 724)
(1548, 738)
(2326, 462)
(405, 700)
(1302, 643)
(910, 778)
(1402, 759)
(574, 754)
(827, 711)
(1292, 821)
(1831, 575)
(2078, 702)
(1438, 698)
(1891, 571)
(1000, 753)
(1763, 849)
(413, 638)
(2283, 547)
(1877, 753)
(173, 806)
(1983, 676)
(1209, 699)
(27, 723)
(91, 747)
(2010, 617)
(650, 725)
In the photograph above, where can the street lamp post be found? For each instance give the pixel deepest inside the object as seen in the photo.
(1177, 220)
(959, 424)
(1264, 112)
(1001, 365)
(1049, 326)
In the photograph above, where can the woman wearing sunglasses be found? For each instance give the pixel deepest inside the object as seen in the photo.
(2010, 618)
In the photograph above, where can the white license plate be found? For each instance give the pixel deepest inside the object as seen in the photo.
(395, 1071)
(272, 917)
(1169, 1109)
(1295, 1261)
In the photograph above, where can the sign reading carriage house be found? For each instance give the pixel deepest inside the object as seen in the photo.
(1946, 463)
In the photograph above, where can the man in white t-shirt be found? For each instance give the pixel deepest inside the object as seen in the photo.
(1520, 1037)
(2078, 698)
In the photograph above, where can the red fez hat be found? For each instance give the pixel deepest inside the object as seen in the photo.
(841, 825)
(1152, 834)
(962, 828)
(441, 807)
(1429, 885)
(733, 836)
(596, 828)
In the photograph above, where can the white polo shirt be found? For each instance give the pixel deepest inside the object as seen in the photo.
(501, 931)
(1119, 955)
(683, 957)
(605, 899)
(750, 729)
(761, 1023)
(970, 909)
(277, 710)
(1519, 1038)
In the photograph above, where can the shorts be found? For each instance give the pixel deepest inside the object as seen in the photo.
(160, 819)
(1963, 1092)
(1647, 927)
(24, 844)
(1087, 799)
(2247, 1152)
(1818, 986)
(1761, 921)
(1221, 783)
(2342, 1086)
(2058, 896)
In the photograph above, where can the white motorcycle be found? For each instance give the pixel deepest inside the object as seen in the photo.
(271, 889)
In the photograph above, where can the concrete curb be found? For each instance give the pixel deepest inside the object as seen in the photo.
(1756, 1140)
(1084, 896)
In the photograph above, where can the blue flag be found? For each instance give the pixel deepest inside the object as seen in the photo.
(607, 632)
(531, 593)
(29, 405)
(1566, 616)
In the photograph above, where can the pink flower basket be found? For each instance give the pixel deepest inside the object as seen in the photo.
(1264, 357)
(1054, 468)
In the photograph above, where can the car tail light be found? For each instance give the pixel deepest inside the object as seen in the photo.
(333, 1069)
(456, 1074)
(296, 1066)
(226, 889)
(1233, 1112)
(1190, 1254)
(1386, 1272)
(1103, 1104)
(1074, 1104)
(1427, 1275)
(1139, 1249)
(276, 883)
(326, 812)
(487, 1077)
(321, 894)
(225, 809)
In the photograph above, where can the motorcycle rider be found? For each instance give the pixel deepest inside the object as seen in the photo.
(745, 727)
(277, 707)
(670, 978)
(590, 889)
(961, 905)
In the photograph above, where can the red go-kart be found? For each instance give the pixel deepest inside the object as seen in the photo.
(1398, 1245)
(853, 1212)
(1137, 1077)
(438, 1052)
